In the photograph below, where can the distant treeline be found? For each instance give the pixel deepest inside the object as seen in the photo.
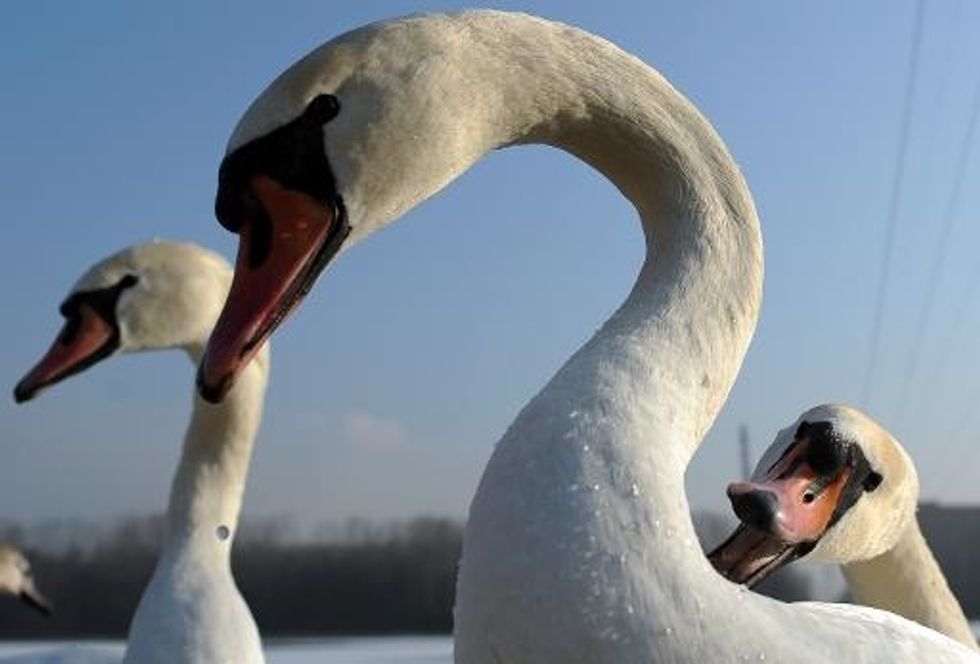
(366, 580)
(355, 579)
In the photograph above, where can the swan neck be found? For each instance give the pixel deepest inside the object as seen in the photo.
(207, 491)
(678, 340)
(595, 463)
(907, 580)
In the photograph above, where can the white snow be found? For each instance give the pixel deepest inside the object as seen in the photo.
(354, 650)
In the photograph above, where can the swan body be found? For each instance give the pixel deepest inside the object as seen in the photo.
(168, 295)
(579, 545)
(17, 579)
(872, 533)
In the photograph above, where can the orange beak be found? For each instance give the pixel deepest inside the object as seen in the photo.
(783, 516)
(84, 340)
(277, 263)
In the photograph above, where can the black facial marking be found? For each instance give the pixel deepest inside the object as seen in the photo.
(292, 155)
(803, 548)
(872, 481)
(829, 454)
(860, 477)
(826, 452)
(103, 302)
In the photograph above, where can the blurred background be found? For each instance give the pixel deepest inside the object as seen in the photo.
(855, 126)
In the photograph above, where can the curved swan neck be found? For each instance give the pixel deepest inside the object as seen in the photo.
(679, 338)
(684, 328)
(908, 581)
(590, 475)
(208, 487)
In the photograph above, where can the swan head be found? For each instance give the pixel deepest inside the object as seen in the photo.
(148, 296)
(343, 142)
(16, 578)
(834, 486)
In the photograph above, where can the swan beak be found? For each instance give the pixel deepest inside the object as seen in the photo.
(280, 254)
(84, 340)
(29, 595)
(783, 516)
(749, 555)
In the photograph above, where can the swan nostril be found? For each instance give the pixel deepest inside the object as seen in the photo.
(756, 508)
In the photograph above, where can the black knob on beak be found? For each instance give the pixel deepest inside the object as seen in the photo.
(755, 507)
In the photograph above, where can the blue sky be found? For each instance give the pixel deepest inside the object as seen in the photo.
(114, 121)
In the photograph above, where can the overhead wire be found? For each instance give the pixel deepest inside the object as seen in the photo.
(939, 258)
(891, 219)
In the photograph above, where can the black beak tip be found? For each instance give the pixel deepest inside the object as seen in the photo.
(23, 393)
(756, 508)
(212, 393)
(37, 604)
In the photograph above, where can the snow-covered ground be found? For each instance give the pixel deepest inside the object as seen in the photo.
(387, 650)
(390, 650)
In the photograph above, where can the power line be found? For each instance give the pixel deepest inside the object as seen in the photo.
(939, 259)
(892, 218)
(959, 320)
(960, 434)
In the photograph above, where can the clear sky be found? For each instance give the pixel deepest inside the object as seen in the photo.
(417, 349)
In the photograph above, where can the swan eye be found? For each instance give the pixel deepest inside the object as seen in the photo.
(872, 481)
(809, 496)
(323, 108)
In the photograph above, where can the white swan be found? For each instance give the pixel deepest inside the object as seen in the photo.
(836, 487)
(168, 295)
(579, 545)
(17, 579)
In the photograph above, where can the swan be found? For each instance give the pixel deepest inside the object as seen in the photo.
(168, 295)
(836, 487)
(579, 545)
(17, 579)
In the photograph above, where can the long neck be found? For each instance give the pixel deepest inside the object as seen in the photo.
(678, 340)
(907, 580)
(591, 472)
(191, 606)
(206, 495)
(660, 368)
